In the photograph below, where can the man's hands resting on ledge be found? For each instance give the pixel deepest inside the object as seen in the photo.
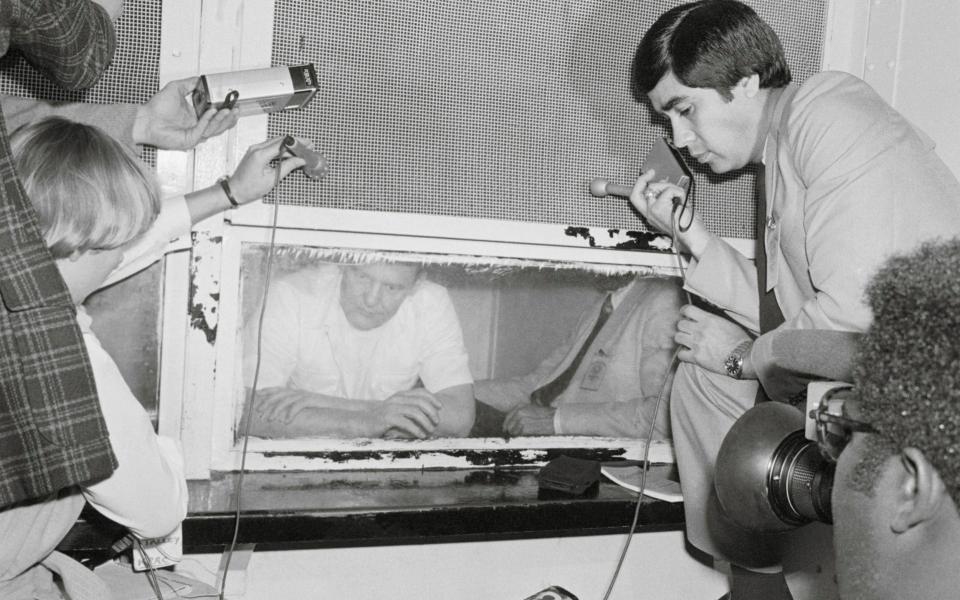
(412, 414)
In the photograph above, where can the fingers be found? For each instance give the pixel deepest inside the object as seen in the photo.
(510, 426)
(288, 165)
(183, 86)
(640, 196)
(426, 403)
(411, 419)
(219, 121)
(270, 402)
(513, 423)
(693, 313)
(655, 200)
(416, 411)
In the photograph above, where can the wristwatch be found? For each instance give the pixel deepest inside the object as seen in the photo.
(733, 365)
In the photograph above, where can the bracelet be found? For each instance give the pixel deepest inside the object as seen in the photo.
(225, 185)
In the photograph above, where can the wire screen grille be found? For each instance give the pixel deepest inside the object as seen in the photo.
(501, 110)
(132, 77)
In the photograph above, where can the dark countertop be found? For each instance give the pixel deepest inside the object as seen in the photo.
(288, 510)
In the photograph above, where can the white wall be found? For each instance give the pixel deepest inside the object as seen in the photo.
(907, 50)
(657, 567)
(928, 81)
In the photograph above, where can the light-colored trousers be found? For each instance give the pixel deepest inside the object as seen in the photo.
(704, 406)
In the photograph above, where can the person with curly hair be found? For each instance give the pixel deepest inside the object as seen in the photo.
(896, 490)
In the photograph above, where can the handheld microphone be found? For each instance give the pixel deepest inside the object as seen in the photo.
(316, 165)
(601, 187)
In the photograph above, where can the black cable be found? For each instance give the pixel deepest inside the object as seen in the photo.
(151, 572)
(645, 464)
(248, 404)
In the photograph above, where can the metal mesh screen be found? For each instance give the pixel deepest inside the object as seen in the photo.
(132, 77)
(503, 110)
(126, 314)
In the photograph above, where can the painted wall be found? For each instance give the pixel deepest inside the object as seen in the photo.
(906, 50)
(928, 83)
(656, 566)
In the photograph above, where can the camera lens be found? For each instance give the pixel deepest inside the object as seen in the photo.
(768, 476)
(799, 481)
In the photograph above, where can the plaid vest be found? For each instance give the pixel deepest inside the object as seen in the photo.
(52, 433)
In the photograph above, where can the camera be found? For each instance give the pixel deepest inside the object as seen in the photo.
(772, 473)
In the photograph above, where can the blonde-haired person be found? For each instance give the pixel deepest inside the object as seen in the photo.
(100, 212)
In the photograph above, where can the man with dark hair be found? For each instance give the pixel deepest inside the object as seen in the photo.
(848, 182)
(896, 490)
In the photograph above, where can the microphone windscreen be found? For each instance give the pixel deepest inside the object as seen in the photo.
(601, 188)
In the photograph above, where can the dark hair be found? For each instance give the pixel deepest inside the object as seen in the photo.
(710, 44)
(907, 370)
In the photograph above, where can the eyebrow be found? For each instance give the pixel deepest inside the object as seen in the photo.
(669, 104)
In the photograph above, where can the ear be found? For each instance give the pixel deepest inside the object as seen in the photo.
(748, 86)
(920, 491)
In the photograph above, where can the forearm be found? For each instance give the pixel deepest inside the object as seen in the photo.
(206, 202)
(115, 119)
(695, 240)
(317, 422)
(727, 279)
(503, 394)
(458, 411)
(71, 41)
(318, 400)
(151, 246)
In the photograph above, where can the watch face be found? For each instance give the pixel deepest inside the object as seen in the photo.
(733, 365)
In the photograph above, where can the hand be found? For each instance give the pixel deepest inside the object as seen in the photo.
(411, 414)
(530, 419)
(255, 176)
(169, 122)
(282, 404)
(706, 339)
(656, 200)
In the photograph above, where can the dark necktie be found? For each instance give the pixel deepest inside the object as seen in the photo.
(770, 315)
(547, 393)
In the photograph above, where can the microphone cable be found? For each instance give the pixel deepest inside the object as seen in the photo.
(248, 404)
(674, 363)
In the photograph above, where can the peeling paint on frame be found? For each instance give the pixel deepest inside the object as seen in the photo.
(205, 284)
(220, 275)
(621, 240)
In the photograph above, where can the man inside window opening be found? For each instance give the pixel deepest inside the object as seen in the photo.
(343, 347)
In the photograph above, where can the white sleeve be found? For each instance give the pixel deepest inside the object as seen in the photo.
(147, 492)
(172, 223)
(444, 361)
(279, 343)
